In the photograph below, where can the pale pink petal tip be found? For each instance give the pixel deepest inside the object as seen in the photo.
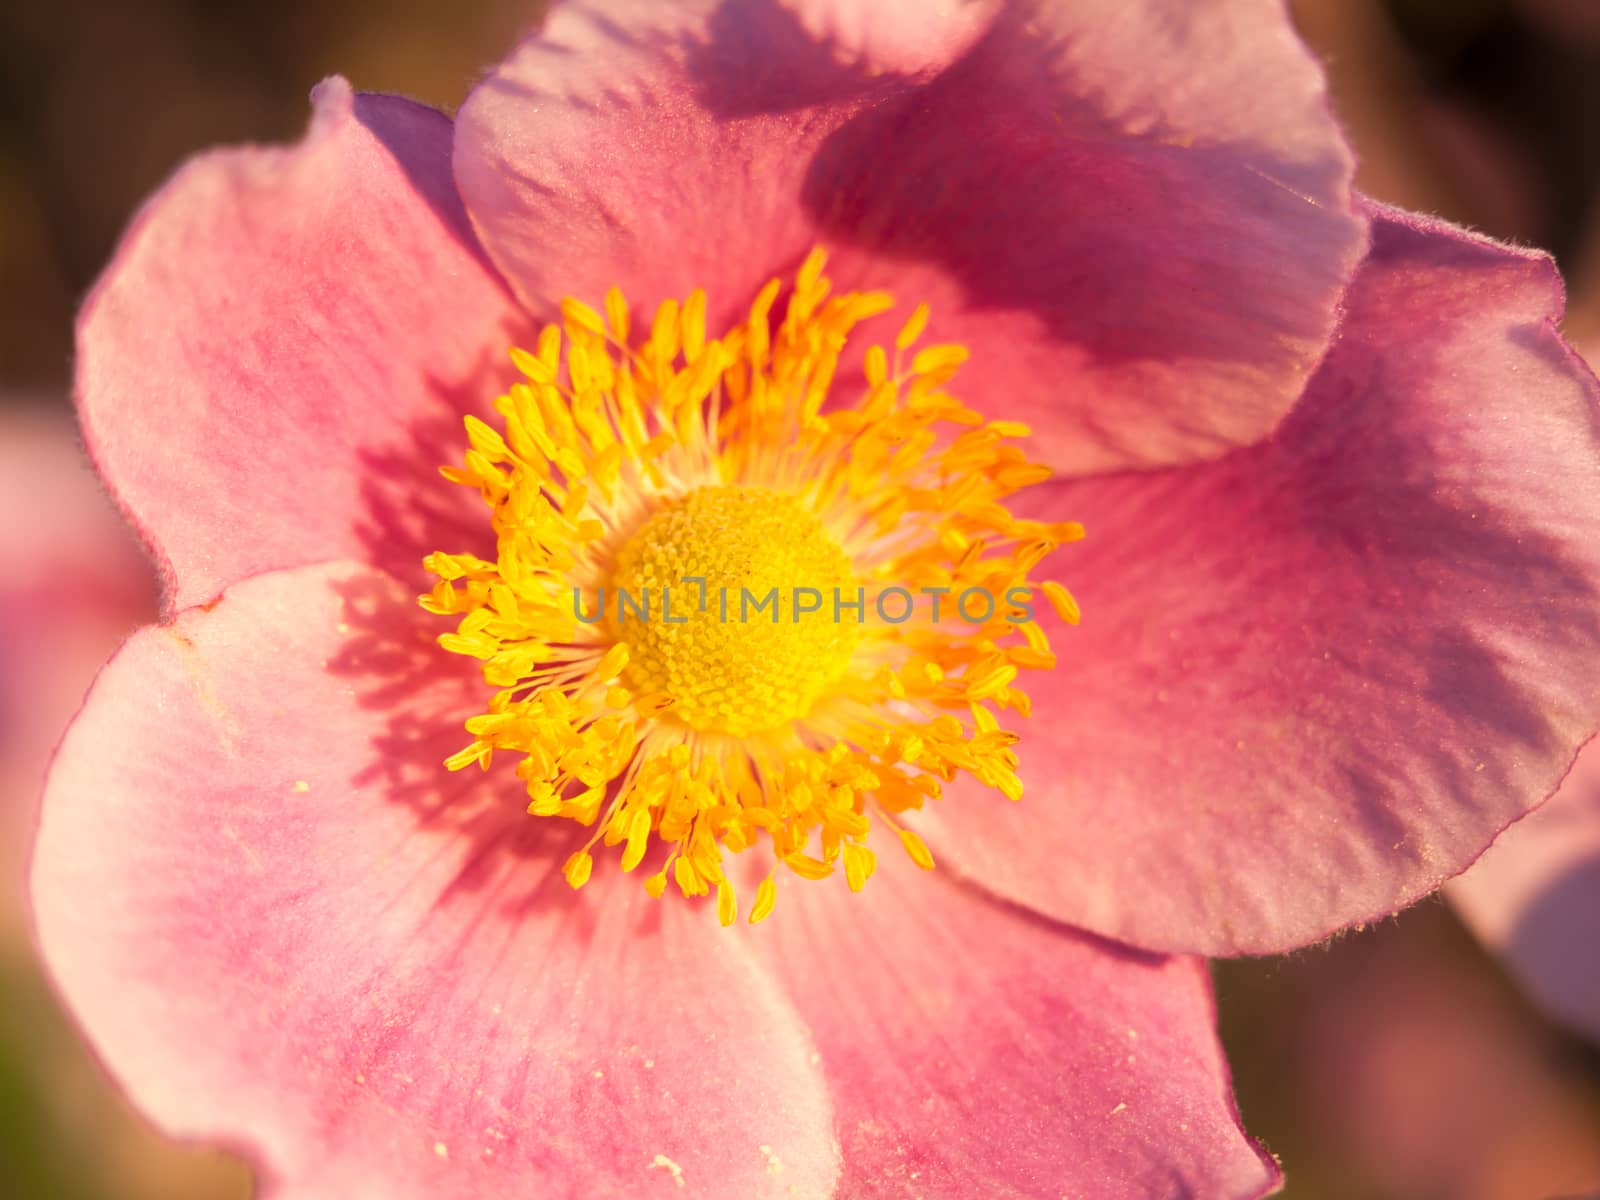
(1314, 680)
(903, 36)
(332, 100)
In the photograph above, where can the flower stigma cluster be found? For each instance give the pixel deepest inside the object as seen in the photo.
(630, 464)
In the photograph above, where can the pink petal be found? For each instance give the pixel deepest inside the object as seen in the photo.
(895, 35)
(977, 1051)
(1138, 220)
(1535, 898)
(1315, 679)
(282, 924)
(256, 361)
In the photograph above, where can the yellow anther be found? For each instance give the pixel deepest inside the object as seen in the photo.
(917, 849)
(913, 328)
(578, 867)
(1062, 601)
(766, 897)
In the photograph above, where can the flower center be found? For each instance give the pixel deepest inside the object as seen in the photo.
(725, 600)
(737, 604)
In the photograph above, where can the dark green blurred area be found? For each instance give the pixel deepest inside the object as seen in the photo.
(1396, 1064)
(42, 1154)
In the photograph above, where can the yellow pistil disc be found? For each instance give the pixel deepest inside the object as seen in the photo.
(738, 602)
(752, 573)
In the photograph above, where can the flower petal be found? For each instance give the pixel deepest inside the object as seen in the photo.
(274, 323)
(659, 148)
(1315, 679)
(895, 35)
(976, 1050)
(281, 923)
(1534, 897)
(1137, 219)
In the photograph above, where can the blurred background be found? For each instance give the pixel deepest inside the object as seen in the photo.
(1397, 1063)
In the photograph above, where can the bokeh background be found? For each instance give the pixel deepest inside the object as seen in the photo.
(1396, 1063)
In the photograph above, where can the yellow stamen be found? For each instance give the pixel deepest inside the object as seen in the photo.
(737, 601)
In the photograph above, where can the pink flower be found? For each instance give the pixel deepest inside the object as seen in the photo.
(1340, 624)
